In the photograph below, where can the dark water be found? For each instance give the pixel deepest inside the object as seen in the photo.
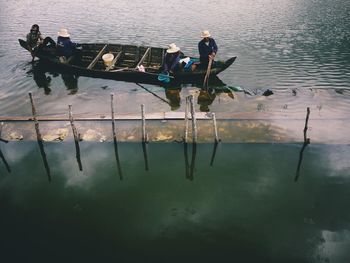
(246, 207)
(280, 44)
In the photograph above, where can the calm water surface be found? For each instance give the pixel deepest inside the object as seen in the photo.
(246, 206)
(280, 44)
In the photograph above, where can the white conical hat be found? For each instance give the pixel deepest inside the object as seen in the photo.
(63, 33)
(205, 33)
(172, 48)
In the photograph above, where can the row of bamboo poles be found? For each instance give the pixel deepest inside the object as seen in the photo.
(189, 114)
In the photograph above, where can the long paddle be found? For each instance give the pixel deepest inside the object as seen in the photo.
(206, 78)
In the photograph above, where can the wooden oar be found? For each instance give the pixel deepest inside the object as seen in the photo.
(206, 78)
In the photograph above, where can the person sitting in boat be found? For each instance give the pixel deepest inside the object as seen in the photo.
(35, 41)
(207, 48)
(65, 47)
(171, 59)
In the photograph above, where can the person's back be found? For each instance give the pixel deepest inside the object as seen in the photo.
(65, 47)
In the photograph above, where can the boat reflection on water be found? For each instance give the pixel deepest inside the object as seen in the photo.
(173, 96)
(39, 75)
(42, 76)
(71, 83)
(206, 95)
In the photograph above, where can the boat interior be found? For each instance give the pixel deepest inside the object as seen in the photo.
(124, 56)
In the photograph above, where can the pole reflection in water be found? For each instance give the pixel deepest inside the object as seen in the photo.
(115, 140)
(144, 149)
(306, 143)
(5, 162)
(39, 138)
(190, 167)
(187, 165)
(193, 160)
(214, 153)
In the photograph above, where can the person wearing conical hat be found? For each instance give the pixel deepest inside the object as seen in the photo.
(207, 48)
(65, 47)
(171, 58)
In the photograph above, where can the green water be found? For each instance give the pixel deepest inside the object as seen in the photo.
(246, 207)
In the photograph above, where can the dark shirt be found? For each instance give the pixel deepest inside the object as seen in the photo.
(205, 50)
(171, 60)
(33, 39)
(65, 47)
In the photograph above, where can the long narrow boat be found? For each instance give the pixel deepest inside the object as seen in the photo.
(124, 67)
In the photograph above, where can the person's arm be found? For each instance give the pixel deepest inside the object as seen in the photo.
(215, 47)
(40, 38)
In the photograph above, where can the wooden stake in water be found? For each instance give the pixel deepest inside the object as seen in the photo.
(144, 134)
(39, 137)
(215, 128)
(186, 120)
(1, 139)
(2, 157)
(36, 123)
(306, 143)
(194, 121)
(115, 140)
(76, 137)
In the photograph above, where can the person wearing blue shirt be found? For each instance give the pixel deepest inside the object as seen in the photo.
(207, 48)
(172, 58)
(65, 47)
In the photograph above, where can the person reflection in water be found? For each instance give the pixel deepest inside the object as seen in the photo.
(173, 95)
(71, 83)
(205, 98)
(41, 80)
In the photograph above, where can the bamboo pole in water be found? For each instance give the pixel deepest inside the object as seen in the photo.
(2, 157)
(306, 143)
(194, 121)
(215, 128)
(39, 137)
(1, 139)
(76, 137)
(36, 123)
(186, 120)
(144, 134)
(113, 120)
(115, 139)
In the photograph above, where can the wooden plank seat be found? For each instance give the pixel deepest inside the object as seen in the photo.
(92, 64)
(143, 57)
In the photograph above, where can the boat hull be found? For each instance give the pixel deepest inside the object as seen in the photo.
(124, 73)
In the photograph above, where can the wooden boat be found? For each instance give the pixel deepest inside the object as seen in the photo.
(124, 67)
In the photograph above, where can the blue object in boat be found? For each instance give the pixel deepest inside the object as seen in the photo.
(164, 77)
